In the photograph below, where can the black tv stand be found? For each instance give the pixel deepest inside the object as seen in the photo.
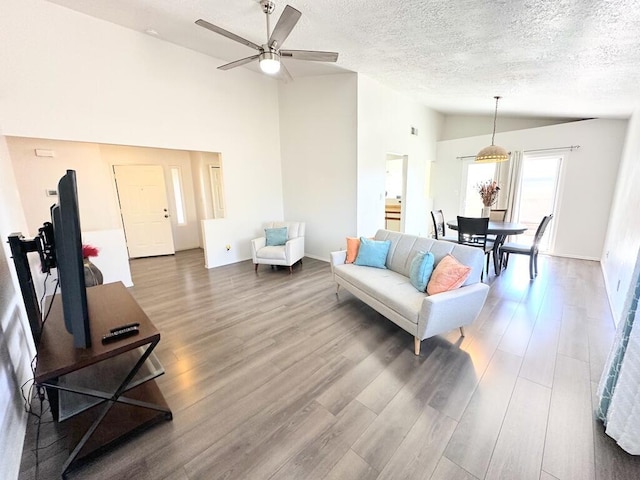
(113, 381)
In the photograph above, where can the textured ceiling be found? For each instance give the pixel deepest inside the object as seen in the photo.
(565, 58)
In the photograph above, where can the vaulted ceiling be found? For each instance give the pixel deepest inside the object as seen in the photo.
(564, 58)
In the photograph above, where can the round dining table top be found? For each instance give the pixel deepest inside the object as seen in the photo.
(497, 228)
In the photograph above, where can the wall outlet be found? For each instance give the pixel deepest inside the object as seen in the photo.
(228, 247)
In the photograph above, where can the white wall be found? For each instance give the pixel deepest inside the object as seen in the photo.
(385, 119)
(34, 175)
(622, 243)
(108, 84)
(587, 186)
(16, 343)
(462, 126)
(336, 133)
(318, 127)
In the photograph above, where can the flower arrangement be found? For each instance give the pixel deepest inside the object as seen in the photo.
(89, 251)
(488, 191)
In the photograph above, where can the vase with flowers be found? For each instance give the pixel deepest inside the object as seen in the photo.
(92, 274)
(488, 191)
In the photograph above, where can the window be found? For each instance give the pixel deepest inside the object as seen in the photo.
(176, 182)
(475, 173)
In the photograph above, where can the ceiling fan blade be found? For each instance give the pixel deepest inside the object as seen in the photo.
(225, 33)
(237, 63)
(310, 55)
(286, 22)
(283, 74)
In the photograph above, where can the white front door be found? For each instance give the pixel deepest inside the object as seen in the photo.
(144, 209)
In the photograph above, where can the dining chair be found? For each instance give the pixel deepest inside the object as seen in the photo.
(497, 215)
(439, 227)
(522, 249)
(472, 231)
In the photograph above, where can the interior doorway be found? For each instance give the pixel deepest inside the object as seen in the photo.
(144, 208)
(395, 191)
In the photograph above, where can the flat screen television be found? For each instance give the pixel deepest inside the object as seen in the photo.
(65, 217)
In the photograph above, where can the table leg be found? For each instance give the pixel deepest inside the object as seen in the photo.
(497, 264)
(109, 401)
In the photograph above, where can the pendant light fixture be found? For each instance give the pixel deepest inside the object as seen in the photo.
(493, 153)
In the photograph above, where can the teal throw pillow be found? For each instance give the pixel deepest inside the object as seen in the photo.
(421, 270)
(275, 236)
(373, 253)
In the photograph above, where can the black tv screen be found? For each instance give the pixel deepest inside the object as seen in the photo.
(68, 248)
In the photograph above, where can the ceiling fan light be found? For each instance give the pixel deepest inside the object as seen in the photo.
(270, 62)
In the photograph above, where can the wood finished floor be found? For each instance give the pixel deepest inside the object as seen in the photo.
(270, 377)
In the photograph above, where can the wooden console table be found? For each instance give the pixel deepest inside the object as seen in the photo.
(86, 387)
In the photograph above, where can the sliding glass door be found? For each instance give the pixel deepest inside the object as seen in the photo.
(538, 191)
(473, 174)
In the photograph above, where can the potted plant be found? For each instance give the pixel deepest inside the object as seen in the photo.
(488, 191)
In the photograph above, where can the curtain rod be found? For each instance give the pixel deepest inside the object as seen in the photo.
(570, 148)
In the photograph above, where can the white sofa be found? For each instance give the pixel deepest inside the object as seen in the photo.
(390, 292)
(286, 255)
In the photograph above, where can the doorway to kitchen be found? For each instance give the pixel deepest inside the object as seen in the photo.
(395, 191)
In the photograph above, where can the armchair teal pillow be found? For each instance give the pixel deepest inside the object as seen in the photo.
(420, 270)
(373, 253)
(275, 236)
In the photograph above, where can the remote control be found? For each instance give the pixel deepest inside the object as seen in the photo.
(122, 327)
(120, 334)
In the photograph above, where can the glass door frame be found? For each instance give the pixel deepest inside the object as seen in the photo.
(549, 246)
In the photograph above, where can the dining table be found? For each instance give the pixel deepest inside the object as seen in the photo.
(501, 230)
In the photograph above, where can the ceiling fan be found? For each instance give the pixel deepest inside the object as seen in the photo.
(270, 52)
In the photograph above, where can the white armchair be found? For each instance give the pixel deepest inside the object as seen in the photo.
(288, 254)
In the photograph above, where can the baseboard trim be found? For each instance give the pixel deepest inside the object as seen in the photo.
(316, 257)
(576, 257)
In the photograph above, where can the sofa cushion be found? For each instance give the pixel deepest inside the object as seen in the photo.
(449, 274)
(421, 269)
(273, 253)
(386, 286)
(372, 253)
(404, 247)
(275, 236)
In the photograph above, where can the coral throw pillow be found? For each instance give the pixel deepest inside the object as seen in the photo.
(449, 274)
(353, 244)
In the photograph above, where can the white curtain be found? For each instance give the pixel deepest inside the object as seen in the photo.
(619, 388)
(508, 177)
